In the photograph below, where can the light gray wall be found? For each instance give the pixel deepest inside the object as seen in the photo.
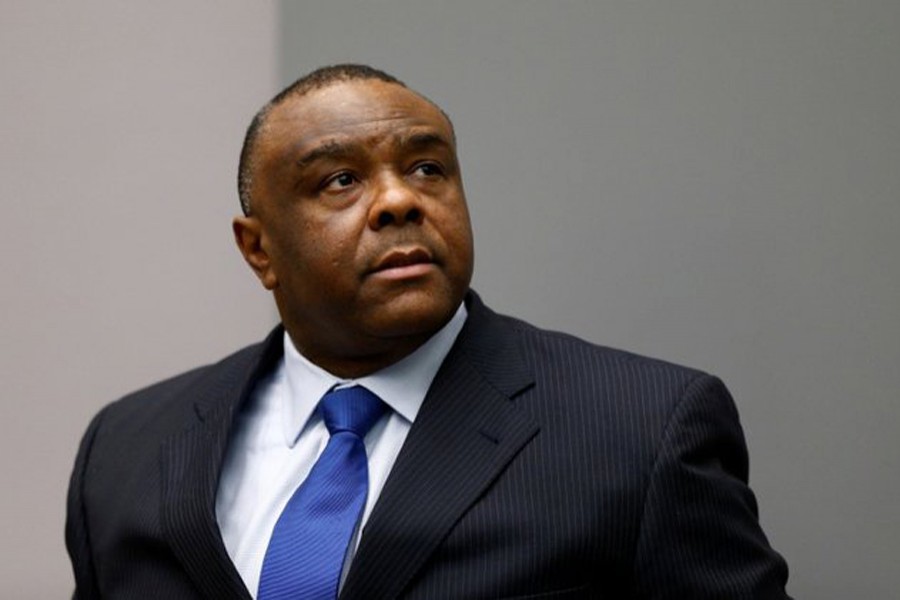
(119, 133)
(713, 182)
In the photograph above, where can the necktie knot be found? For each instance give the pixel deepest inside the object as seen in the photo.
(352, 409)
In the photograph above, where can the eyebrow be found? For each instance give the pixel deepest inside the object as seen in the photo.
(328, 150)
(334, 149)
(422, 141)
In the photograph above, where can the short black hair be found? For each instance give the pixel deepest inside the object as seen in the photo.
(320, 78)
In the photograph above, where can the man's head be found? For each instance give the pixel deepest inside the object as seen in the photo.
(355, 216)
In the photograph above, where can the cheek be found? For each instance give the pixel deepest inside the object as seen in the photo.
(457, 237)
(325, 250)
(292, 250)
(339, 255)
(457, 227)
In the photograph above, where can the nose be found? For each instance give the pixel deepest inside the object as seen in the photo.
(396, 202)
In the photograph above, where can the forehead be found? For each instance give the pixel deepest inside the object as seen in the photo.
(362, 110)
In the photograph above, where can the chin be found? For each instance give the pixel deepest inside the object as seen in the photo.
(415, 316)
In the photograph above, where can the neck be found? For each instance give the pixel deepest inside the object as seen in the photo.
(359, 363)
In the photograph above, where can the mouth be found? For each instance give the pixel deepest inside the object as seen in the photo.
(404, 264)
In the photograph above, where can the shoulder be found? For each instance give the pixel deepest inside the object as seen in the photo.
(565, 347)
(636, 411)
(579, 386)
(158, 407)
(573, 362)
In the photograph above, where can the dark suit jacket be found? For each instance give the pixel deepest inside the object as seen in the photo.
(539, 466)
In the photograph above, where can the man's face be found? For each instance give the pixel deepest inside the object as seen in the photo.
(359, 222)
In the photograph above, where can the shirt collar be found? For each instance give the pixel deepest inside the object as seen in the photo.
(402, 385)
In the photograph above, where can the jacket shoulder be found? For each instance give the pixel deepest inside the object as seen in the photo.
(549, 349)
(175, 399)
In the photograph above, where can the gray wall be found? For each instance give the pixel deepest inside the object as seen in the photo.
(713, 182)
(119, 133)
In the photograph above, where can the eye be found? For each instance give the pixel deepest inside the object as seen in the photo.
(428, 169)
(340, 181)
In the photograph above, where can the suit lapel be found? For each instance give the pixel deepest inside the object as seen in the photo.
(465, 435)
(191, 461)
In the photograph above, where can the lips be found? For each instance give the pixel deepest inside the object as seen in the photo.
(399, 261)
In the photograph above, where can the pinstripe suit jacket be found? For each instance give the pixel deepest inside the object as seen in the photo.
(539, 466)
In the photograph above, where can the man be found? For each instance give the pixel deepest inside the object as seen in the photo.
(499, 460)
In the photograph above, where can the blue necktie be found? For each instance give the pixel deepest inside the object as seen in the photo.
(309, 543)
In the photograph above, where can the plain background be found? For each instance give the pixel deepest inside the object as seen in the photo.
(712, 182)
(120, 129)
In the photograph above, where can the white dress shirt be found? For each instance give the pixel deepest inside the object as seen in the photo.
(278, 436)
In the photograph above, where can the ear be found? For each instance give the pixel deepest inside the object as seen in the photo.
(251, 242)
